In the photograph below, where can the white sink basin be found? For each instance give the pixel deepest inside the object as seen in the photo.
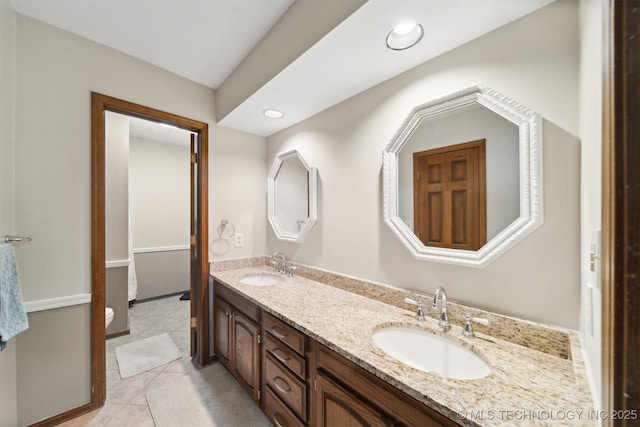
(431, 353)
(262, 279)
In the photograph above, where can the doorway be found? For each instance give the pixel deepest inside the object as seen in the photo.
(199, 271)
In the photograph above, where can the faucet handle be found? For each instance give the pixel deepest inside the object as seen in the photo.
(467, 330)
(291, 269)
(419, 313)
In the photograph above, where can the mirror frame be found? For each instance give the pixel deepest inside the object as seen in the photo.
(530, 162)
(312, 194)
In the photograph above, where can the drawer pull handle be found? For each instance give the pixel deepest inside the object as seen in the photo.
(226, 313)
(284, 358)
(279, 333)
(275, 420)
(284, 387)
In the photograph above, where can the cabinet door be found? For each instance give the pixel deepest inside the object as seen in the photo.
(222, 331)
(247, 353)
(338, 407)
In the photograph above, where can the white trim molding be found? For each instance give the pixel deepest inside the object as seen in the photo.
(59, 302)
(117, 263)
(161, 249)
(530, 162)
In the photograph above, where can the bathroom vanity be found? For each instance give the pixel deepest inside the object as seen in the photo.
(296, 380)
(304, 351)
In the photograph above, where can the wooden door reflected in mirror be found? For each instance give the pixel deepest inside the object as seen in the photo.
(450, 196)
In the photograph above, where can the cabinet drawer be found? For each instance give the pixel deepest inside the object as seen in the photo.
(285, 355)
(286, 386)
(278, 413)
(285, 333)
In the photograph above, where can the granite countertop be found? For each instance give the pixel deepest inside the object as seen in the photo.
(525, 386)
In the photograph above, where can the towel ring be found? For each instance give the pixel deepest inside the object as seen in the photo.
(223, 226)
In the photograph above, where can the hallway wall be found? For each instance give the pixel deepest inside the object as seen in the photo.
(56, 72)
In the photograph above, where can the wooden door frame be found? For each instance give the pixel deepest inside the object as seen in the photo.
(99, 105)
(620, 207)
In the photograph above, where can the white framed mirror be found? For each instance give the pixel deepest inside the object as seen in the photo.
(292, 196)
(462, 177)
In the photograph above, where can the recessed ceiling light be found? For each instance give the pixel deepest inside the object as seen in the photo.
(273, 114)
(405, 36)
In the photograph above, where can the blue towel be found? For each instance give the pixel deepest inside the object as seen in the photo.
(13, 317)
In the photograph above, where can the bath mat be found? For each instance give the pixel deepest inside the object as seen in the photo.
(143, 355)
(208, 397)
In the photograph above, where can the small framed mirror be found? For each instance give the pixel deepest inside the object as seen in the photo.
(462, 177)
(292, 196)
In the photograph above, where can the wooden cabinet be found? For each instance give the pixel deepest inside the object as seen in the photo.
(284, 365)
(278, 413)
(236, 339)
(246, 351)
(222, 331)
(336, 406)
(299, 382)
(348, 395)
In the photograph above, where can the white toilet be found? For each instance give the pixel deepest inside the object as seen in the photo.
(108, 316)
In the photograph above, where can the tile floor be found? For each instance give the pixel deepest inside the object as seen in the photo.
(126, 404)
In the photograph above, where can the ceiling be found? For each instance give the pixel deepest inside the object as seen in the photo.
(196, 39)
(207, 41)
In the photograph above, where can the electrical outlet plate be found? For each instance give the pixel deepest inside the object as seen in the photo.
(239, 242)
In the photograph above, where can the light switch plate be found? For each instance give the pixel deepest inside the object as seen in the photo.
(596, 249)
(588, 310)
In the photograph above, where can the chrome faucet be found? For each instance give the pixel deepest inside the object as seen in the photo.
(467, 330)
(419, 313)
(279, 262)
(441, 294)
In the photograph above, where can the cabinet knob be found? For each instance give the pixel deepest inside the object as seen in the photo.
(226, 313)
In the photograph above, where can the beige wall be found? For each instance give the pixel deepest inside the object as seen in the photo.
(159, 182)
(8, 386)
(538, 279)
(116, 298)
(162, 273)
(53, 361)
(160, 210)
(116, 187)
(56, 71)
(238, 192)
(591, 51)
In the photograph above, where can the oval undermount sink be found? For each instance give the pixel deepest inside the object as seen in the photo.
(431, 353)
(261, 279)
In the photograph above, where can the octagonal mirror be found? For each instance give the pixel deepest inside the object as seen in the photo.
(462, 177)
(292, 193)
